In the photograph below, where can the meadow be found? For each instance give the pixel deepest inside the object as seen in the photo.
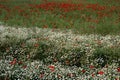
(59, 40)
(81, 16)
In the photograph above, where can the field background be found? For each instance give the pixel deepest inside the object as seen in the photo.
(59, 39)
(82, 16)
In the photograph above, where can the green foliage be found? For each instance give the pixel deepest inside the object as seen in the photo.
(43, 51)
(105, 56)
(76, 57)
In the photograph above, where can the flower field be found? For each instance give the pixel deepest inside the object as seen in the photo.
(59, 40)
(89, 17)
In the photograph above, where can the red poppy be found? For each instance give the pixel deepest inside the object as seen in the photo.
(93, 74)
(91, 67)
(118, 69)
(13, 62)
(36, 45)
(52, 68)
(41, 75)
(116, 78)
(25, 66)
(83, 71)
(101, 72)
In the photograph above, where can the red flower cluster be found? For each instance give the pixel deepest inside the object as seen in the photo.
(13, 62)
(36, 45)
(28, 9)
(52, 68)
(83, 71)
(41, 75)
(101, 72)
(91, 67)
(25, 66)
(95, 7)
(71, 6)
(118, 69)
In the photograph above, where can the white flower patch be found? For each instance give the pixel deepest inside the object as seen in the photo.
(60, 39)
(64, 39)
